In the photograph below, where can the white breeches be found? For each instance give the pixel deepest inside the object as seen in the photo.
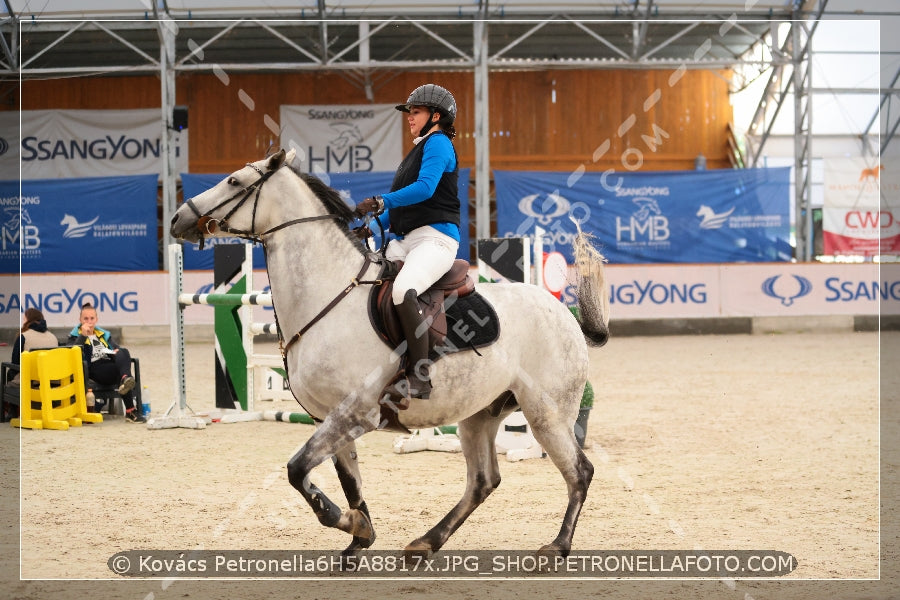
(427, 255)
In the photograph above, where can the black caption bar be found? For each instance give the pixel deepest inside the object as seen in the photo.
(253, 564)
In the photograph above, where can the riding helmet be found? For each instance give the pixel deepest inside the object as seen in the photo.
(433, 96)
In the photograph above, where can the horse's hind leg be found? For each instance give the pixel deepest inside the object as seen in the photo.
(476, 436)
(557, 438)
(332, 438)
(347, 468)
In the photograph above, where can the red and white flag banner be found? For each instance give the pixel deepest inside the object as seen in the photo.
(857, 218)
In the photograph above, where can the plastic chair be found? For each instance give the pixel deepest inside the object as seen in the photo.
(52, 390)
(9, 389)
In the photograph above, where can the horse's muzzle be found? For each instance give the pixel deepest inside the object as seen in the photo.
(184, 227)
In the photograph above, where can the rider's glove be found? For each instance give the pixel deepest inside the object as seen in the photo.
(369, 205)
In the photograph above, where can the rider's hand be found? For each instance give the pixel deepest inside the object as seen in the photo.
(369, 205)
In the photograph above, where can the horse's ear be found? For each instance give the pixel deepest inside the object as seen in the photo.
(276, 160)
(290, 156)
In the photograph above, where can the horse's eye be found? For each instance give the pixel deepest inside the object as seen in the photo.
(233, 181)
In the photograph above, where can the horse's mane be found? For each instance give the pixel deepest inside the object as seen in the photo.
(332, 200)
(328, 195)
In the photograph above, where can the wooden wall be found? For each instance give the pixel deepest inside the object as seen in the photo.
(539, 120)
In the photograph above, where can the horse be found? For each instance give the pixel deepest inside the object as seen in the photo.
(337, 365)
(870, 173)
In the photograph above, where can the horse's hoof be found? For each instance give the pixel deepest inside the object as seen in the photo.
(355, 546)
(356, 523)
(418, 549)
(552, 550)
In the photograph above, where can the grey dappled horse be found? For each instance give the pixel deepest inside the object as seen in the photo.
(338, 365)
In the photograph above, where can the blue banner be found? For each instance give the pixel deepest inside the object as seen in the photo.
(353, 187)
(739, 215)
(88, 224)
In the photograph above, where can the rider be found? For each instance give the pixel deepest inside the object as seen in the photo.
(422, 210)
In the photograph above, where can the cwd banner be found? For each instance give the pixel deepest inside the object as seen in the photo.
(860, 215)
(57, 144)
(350, 138)
(353, 187)
(663, 217)
(111, 225)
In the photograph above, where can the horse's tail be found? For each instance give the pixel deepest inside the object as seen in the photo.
(592, 292)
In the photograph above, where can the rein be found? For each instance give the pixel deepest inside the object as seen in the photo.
(208, 225)
(355, 282)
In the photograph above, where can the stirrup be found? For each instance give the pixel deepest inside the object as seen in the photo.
(398, 390)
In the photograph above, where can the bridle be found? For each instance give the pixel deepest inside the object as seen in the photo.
(208, 225)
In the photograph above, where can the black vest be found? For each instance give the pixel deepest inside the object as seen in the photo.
(442, 207)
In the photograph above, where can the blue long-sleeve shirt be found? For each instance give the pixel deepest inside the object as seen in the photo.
(438, 157)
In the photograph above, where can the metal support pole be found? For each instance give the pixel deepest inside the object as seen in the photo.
(802, 142)
(482, 133)
(167, 30)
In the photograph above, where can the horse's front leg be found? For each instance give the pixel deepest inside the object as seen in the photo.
(347, 468)
(331, 438)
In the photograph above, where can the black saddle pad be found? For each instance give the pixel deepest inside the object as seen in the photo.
(471, 323)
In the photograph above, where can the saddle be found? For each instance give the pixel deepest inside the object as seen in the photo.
(454, 283)
(452, 297)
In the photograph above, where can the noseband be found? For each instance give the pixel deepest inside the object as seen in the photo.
(207, 224)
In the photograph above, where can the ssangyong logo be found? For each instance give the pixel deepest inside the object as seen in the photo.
(787, 293)
(552, 207)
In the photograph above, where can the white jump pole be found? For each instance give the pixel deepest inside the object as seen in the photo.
(176, 415)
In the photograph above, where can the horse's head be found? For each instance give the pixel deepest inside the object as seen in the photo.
(231, 206)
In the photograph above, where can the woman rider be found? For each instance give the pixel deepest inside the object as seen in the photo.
(422, 210)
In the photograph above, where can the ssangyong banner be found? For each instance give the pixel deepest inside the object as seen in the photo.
(861, 213)
(353, 188)
(348, 138)
(734, 215)
(89, 224)
(807, 289)
(122, 299)
(636, 292)
(757, 290)
(55, 144)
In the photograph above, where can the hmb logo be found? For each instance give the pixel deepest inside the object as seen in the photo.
(646, 223)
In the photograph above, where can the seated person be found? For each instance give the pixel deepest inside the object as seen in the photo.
(34, 335)
(107, 362)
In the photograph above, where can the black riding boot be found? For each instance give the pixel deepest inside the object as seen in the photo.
(416, 384)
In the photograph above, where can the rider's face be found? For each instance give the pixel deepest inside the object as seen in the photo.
(417, 117)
